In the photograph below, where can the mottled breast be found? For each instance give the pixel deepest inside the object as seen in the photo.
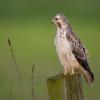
(61, 42)
(63, 48)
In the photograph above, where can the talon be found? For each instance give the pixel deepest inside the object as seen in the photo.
(73, 71)
(65, 72)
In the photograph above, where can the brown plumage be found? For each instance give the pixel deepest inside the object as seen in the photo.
(71, 51)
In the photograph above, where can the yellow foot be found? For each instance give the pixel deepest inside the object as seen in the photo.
(70, 72)
(66, 73)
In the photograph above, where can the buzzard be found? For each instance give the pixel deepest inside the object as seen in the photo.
(71, 51)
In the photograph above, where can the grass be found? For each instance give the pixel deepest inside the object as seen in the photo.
(16, 68)
(32, 79)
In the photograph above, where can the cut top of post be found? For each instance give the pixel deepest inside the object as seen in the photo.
(61, 87)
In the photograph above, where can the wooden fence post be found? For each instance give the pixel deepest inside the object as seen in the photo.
(61, 87)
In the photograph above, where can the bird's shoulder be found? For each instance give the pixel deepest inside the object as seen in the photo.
(77, 46)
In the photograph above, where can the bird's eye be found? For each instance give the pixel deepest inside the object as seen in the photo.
(56, 19)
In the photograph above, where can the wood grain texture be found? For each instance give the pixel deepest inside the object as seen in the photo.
(61, 87)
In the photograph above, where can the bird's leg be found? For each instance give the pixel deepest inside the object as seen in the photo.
(72, 71)
(66, 70)
(74, 67)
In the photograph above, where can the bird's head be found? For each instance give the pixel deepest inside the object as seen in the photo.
(59, 20)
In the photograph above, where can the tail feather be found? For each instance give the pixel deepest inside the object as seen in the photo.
(87, 68)
(89, 77)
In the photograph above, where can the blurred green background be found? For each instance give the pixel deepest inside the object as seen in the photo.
(28, 24)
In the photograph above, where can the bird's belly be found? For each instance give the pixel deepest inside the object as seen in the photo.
(62, 44)
(65, 53)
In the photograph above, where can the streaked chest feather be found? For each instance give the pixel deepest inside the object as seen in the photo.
(61, 42)
(63, 47)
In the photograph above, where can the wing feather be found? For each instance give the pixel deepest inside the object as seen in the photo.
(78, 50)
(77, 46)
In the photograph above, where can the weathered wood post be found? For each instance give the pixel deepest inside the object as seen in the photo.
(61, 87)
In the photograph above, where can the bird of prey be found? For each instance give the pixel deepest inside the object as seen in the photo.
(71, 51)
